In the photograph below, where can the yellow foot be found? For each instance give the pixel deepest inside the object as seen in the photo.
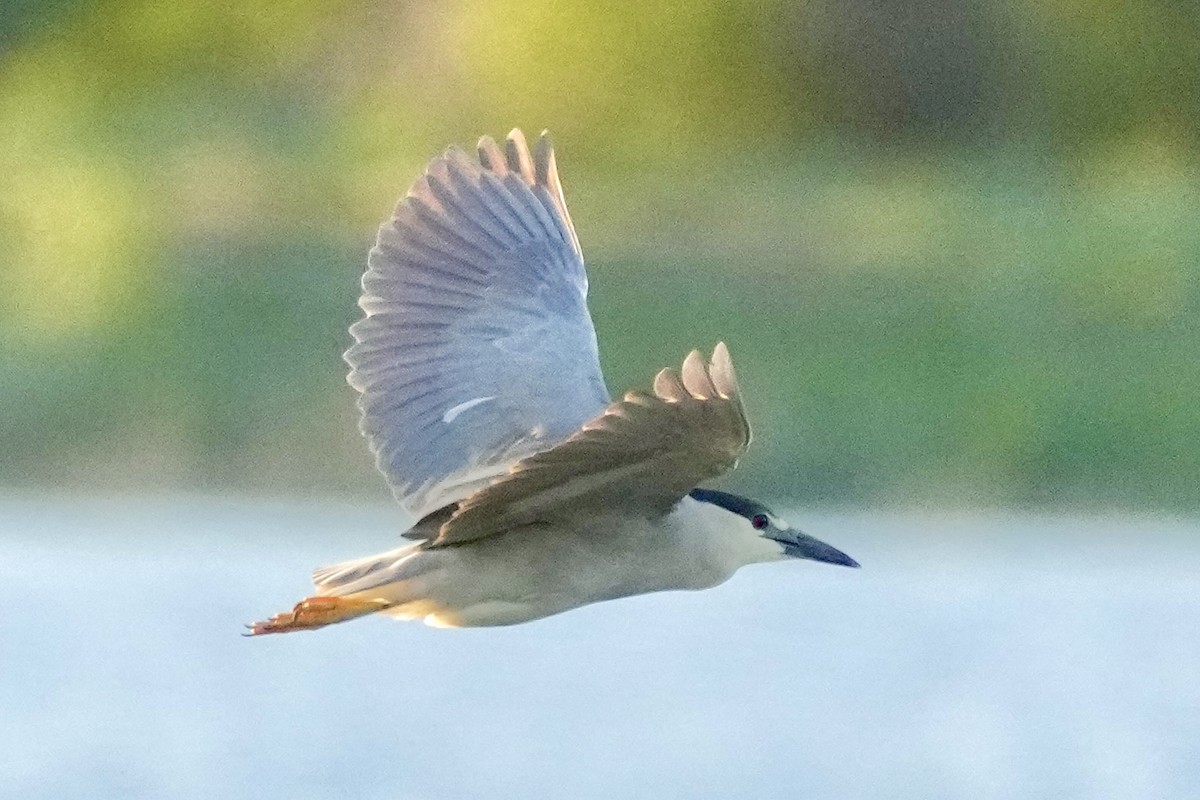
(317, 612)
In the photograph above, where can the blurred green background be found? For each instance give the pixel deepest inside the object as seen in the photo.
(954, 246)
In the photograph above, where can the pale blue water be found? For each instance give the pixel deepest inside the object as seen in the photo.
(971, 657)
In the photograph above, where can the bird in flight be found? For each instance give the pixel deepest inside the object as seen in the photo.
(483, 402)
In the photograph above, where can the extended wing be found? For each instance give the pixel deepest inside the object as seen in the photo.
(477, 348)
(642, 454)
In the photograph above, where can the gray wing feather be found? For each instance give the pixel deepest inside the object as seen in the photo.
(476, 348)
(645, 452)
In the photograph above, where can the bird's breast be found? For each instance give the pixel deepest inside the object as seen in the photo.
(547, 569)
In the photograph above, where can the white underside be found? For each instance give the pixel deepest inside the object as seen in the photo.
(535, 572)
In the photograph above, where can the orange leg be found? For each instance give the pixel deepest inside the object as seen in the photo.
(317, 612)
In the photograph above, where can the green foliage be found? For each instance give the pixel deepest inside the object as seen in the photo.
(954, 247)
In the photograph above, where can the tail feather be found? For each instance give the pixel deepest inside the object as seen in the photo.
(348, 577)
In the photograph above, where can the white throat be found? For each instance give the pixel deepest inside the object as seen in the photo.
(728, 540)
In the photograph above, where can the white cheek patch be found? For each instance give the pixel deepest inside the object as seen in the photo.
(453, 412)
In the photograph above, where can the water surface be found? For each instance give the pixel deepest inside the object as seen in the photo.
(972, 657)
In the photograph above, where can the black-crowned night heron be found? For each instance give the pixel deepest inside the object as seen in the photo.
(484, 404)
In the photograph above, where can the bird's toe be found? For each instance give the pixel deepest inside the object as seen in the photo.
(316, 612)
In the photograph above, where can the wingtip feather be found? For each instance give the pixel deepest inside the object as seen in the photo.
(519, 160)
(544, 169)
(545, 165)
(695, 376)
(723, 376)
(490, 156)
(460, 162)
(668, 386)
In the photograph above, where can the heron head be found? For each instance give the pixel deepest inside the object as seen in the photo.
(768, 525)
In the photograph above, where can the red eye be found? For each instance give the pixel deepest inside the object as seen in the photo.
(759, 521)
